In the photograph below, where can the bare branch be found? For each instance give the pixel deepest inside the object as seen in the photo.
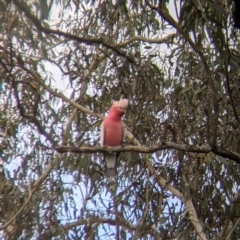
(165, 145)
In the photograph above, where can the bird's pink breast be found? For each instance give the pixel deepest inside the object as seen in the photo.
(113, 131)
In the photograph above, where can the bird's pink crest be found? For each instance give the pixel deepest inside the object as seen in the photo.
(122, 104)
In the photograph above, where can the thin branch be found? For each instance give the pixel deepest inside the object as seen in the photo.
(19, 211)
(44, 175)
(41, 130)
(89, 41)
(232, 229)
(30, 117)
(148, 40)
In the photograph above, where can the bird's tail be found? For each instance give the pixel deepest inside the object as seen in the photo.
(111, 165)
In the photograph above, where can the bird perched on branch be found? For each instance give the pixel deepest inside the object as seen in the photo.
(112, 134)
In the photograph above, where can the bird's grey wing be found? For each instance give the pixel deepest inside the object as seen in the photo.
(102, 133)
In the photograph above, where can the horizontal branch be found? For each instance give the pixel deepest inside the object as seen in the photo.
(165, 145)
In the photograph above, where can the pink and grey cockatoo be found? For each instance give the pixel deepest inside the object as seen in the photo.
(112, 134)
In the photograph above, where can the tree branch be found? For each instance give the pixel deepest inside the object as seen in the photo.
(227, 154)
(89, 41)
(148, 40)
(165, 145)
(139, 149)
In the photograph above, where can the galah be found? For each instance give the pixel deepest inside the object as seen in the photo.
(112, 134)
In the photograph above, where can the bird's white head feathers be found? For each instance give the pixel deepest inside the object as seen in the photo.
(121, 104)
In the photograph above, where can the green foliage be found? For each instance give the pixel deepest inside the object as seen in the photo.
(179, 67)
